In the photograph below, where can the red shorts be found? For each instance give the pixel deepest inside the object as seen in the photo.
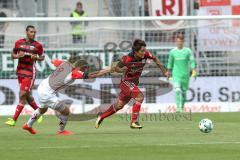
(25, 83)
(128, 90)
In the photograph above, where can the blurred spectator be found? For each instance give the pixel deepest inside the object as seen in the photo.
(78, 33)
(196, 4)
(3, 26)
(146, 8)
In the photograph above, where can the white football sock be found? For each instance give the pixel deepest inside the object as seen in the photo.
(34, 117)
(63, 121)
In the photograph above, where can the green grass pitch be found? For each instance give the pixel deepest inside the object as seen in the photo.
(159, 139)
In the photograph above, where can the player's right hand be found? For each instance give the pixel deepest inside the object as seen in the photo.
(20, 54)
(169, 78)
(194, 74)
(34, 57)
(168, 74)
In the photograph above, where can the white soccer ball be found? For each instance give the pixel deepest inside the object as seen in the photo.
(205, 125)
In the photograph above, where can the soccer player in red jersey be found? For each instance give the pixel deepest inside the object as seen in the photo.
(132, 66)
(27, 51)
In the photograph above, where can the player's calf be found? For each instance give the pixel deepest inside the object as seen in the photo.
(35, 115)
(110, 111)
(135, 111)
(179, 99)
(63, 115)
(22, 100)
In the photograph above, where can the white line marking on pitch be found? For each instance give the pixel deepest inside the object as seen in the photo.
(171, 144)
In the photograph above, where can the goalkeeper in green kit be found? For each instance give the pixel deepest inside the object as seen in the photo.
(181, 65)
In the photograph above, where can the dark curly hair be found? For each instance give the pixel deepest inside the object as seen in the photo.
(138, 44)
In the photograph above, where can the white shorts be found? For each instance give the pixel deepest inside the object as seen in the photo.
(47, 96)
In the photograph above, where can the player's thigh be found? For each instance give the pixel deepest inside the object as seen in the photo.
(43, 109)
(123, 99)
(64, 110)
(121, 103)
(137, 94)
(53, 103)
(30, 97)
(185, 85)
(48, 100)
(23, 95)
(61, 106)
(176, 83)
(25, 84)
(126, 88)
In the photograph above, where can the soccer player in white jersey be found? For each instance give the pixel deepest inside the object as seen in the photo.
(64, 75)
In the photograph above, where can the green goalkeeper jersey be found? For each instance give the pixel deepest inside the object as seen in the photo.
(181, 62)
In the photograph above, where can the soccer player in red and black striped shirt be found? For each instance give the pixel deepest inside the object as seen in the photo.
(27, 51)
(132, 66)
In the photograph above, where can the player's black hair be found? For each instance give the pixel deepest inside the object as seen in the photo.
(138, 44)
(77, 61)
(81, 63)
(29, 26)
(180, 36)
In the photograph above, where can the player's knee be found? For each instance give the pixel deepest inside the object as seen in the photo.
(119, 105)
(178, 90)
(43, 110)
(139, 98)
(23, 95)
(29, 98)
(66, 111)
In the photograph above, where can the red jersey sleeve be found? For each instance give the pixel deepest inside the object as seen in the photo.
(77, 74)
(149, 55)
(39, 49)
(16, 46)
(57, 62)
(123, 60)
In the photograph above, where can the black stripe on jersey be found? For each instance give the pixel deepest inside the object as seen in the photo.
(23, 68)
(24, 75)
(23, 62)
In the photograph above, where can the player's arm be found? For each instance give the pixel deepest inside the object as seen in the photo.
(162, 68)
(170, 64)
(17, 56)
(77, 74)
(99, 73)
(57, 62)
(192, 65)
(39, 56)
(119, 66)
(15, 53)
(158, 63)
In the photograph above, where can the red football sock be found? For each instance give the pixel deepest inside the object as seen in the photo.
(18, 111)
(33, 105)
(110, 111)
(135, 111)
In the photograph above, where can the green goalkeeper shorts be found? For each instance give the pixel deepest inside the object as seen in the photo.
(181, 82)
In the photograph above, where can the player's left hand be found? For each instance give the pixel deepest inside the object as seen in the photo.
(112, 69)
(194, 74)
(34, 57)
(167, 74)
